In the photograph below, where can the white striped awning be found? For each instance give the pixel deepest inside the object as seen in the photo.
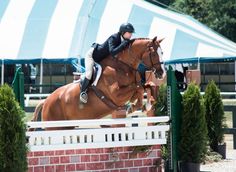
(65, 29)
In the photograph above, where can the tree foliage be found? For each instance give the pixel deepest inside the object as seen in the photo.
(13, 149)
(161, 103)
(193, 128)
(214, 115)
(219, 15)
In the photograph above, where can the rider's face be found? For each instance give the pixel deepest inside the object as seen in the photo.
(127, 35)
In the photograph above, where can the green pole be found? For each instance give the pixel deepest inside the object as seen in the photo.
(174, 100)
(18, 86)
(21, 89)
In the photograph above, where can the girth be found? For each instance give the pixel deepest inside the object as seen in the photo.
(105, 99)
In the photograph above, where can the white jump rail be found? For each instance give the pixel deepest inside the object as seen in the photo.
(28, 96)
(81, 138)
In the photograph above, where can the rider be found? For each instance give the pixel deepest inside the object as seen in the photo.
(112, 46)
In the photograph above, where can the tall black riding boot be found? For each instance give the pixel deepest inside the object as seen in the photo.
(83, 94)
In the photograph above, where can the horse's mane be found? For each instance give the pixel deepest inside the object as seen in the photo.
(134, 39)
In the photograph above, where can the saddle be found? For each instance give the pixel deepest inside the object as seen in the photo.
(97, 71)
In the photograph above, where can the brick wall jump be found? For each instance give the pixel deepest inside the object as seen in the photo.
(119, 159)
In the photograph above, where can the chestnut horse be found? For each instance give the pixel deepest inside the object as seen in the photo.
(120, 82)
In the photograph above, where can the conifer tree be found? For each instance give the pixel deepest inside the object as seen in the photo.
(13, 149)
(214, 115)
(193, 128)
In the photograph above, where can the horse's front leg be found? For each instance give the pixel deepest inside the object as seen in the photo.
(138, 95)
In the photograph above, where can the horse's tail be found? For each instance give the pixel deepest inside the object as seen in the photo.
(36, 116)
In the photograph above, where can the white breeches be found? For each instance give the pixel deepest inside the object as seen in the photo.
(89, 62)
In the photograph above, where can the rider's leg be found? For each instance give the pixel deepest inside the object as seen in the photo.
(89, 62)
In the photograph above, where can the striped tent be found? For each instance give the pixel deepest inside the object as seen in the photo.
(63, 30)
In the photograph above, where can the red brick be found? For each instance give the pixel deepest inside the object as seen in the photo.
(70, 167)
(152, 154)
(30, 154)
(49, 153)
(60, 168)
(147, 162)
(33, 161)
(119, 149)
(80, 151)
(119, 164)
(114, 170)
(134, 170)
(156, 162)
(124, 170)
(64, 159)
(85, 158)
(104, 157)
(133, 156)
(54, 160)
(94, 158)
(43, 160)
(75, 159)
(100, 150)
(39, 169)
(128, 149)
(49, 168)
(129, 163)
(108, 150)
(124, 155)
(59, 152)
(138, 163)
(80, 167)
(69, 152)
(142, 155)
(158, 153)
(93, 151)
(143, 169)
(154, 169)
(30, 169)
(109, 165)
(40, 153)
(156, 147)
(95, 166)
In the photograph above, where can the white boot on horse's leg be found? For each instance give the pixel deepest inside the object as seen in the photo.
(83, 97)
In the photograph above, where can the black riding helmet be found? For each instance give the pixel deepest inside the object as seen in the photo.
(126, 27)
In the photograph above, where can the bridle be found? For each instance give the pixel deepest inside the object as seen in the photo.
(131, 54)
(141, 57)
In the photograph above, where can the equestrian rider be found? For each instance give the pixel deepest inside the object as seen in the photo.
(112, 46)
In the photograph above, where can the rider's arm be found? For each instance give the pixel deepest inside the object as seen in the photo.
(113, 48)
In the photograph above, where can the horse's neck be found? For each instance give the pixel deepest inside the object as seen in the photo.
(116, 64)
(132, 55)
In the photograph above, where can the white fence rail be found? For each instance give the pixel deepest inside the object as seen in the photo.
(80, 138)
(29, 96)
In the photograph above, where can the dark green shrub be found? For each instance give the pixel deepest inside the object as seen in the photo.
(214, 115)
(161, 110)
(161, 102)
(193, 128)
(13, 149)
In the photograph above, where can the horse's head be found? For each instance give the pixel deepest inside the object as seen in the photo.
(152, 56)
(146, 51)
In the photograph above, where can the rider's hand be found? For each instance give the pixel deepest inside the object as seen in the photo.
(125, 43)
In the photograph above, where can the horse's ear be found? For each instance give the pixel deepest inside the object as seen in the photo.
(154, 39)
(160, 40)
